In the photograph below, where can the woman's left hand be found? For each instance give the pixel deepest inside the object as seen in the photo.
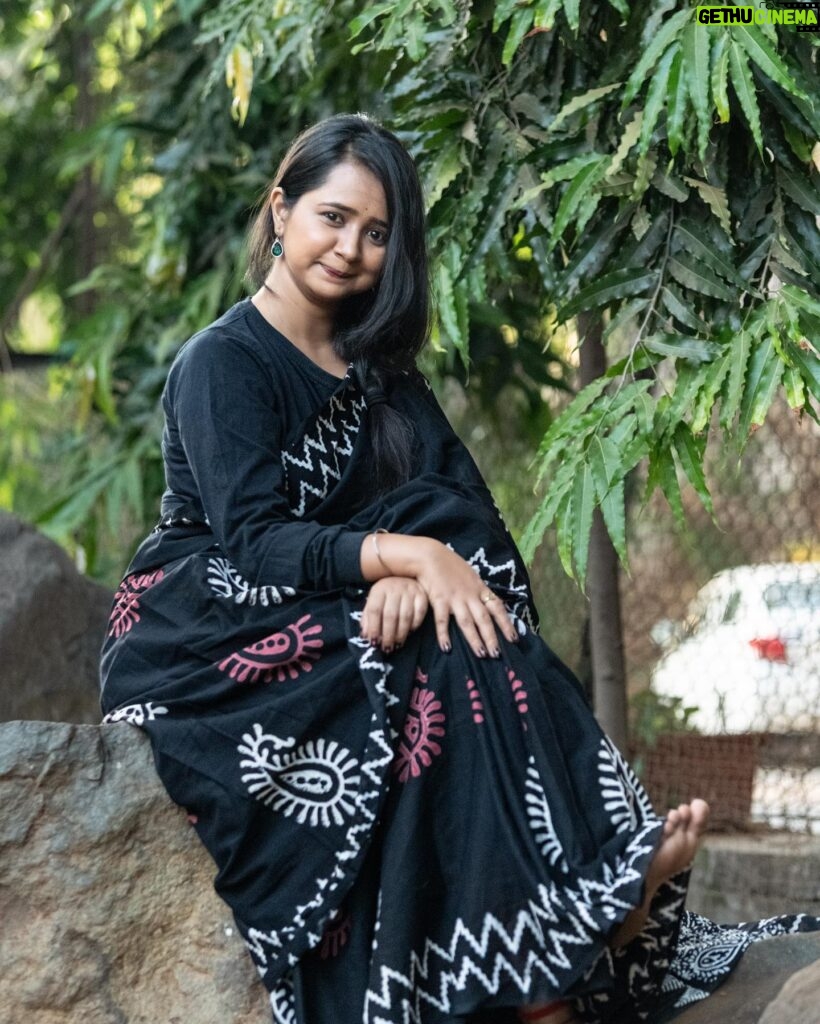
(395, 606)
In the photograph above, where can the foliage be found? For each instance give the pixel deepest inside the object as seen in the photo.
(652, 714)
(579, 156)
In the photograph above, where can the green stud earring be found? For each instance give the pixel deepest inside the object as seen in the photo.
(276, 249)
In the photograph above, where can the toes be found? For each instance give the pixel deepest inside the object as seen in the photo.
(700, 814)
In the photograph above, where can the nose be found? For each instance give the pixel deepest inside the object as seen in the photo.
(348, 242)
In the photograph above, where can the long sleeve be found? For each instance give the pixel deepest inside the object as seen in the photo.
(223, 437)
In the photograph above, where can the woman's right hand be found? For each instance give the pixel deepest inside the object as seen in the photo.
(454, 588)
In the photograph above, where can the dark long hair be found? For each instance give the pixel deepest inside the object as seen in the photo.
(381, 331)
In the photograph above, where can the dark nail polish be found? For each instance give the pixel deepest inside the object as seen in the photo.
(482, 652)
(446, 648)
(496, 652)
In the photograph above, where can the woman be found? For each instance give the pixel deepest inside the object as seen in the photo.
(413, 818)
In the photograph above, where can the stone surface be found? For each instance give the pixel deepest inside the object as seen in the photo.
(107, 908)
(108, 915)
(755, 989)
(52, 622)
(798, 1002)
(747, 877)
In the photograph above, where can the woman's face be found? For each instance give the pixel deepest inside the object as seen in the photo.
(334, 237)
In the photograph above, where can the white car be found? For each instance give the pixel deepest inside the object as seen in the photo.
(747, 656)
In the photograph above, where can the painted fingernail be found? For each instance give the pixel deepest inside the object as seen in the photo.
(446, 647)
(388, 650)
(496, 652)
(482, 652)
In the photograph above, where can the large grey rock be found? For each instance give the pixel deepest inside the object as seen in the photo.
(108, 915)
(107, 908)
(756, 991)
(52, 622)
(798, 1002)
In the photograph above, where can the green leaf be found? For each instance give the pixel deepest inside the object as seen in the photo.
(800, 190)
(443, 170)
(628, 139)
(368, 15)
(583, 503)
(655, 96)
(670, 186)
(560, 486)
(680, 347)
(669, 31)
(795, 388)
(579, 188)
(680, 311)
(764, 373)
(662, 473)
(628, 311)
(696, 69)
(746, 92)
(800, 298)
(698, 278)
(447, 308)
(613, 509)
(563, 424)
(688, 381)
(707, 396)
(720, 75)
(565, 532)
(763, 54)
(730, 402)
(604, 462)
(676, 103)
(715, 199)
(571, 10)
(580, 102)
(809, 365)
(691, 452)
(699, 245)
(519, 26)
(608, 288)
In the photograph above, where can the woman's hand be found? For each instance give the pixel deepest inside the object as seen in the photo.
(454, 588)
(395, 606)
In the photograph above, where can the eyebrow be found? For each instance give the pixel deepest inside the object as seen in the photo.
(349, 209)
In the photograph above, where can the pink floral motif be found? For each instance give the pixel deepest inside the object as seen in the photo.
(475, 702)
(280, 654)
(519, 693)
(336, 936)
(424, 721)
(127, 601)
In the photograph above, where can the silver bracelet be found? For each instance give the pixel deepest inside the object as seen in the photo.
(376, 549)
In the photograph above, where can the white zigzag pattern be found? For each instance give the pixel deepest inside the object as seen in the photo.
(487, 571)
(325, 443)
(585, 930)
(365, 801)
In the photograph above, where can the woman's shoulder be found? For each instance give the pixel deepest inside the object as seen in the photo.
(225, 350)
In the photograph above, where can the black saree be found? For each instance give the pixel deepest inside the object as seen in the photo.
(424, 836)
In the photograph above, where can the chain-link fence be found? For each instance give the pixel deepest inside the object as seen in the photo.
(721, 623)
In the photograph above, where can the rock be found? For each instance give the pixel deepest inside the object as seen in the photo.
(798, 1002)
(52, 623)
(106, 893)
(754, 990)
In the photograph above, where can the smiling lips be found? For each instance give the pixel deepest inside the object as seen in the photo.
(334, 273)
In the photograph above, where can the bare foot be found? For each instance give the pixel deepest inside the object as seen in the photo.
(682, 832)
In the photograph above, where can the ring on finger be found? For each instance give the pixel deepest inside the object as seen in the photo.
(488, 596)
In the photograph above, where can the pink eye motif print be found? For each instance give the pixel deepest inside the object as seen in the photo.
(280, 654)
(127, 601)
(424, 721)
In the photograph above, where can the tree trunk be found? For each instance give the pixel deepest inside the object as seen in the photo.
(605, 628)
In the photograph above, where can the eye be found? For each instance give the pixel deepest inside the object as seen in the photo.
(378, 236)
(331, 213)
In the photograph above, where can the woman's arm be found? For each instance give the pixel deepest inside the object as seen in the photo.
(451, 584)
